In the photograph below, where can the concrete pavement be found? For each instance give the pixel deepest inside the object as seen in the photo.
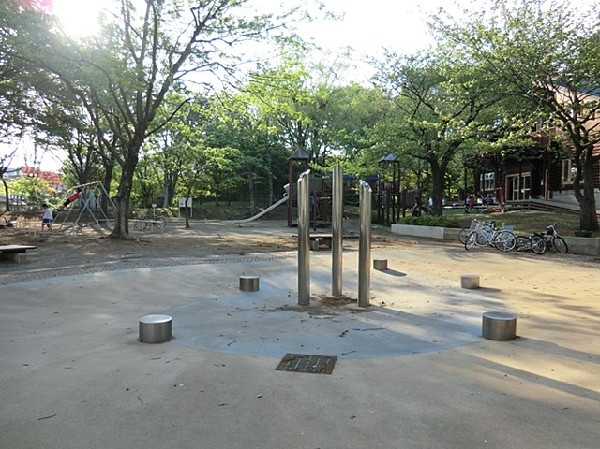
(412, 372)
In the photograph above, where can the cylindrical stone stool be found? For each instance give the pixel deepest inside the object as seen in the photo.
(380, 264)
(156, 328)
(249, 283)
(499, 326)
(469, 281)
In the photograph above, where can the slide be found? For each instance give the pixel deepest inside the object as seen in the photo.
(262, 212)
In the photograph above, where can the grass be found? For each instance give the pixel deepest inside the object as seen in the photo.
(525, 222)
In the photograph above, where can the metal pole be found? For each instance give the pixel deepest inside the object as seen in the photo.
(337, 220)
(364, 245)
(303, 240)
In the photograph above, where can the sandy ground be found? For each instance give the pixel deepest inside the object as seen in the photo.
(81, 378)
(90, 245)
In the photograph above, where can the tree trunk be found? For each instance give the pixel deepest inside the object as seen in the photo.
(251, 192)
(106, 182)
(437, 179)
(121, 229)
(169, 184)
(6, 193)
(588, 220)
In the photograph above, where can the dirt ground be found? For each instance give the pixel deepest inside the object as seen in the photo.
(90, 245)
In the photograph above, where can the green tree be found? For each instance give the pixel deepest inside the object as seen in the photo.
(35, 190)
(547, 54)
(442, 103)
(124, 76)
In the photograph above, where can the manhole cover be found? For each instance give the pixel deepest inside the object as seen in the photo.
(318, 364)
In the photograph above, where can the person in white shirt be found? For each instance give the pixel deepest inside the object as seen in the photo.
(47, 217)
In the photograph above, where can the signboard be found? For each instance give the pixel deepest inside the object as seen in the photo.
(185, 202)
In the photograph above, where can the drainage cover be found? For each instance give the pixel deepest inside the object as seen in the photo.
(300, 363)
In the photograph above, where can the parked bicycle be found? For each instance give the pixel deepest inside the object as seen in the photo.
(487, 234)
(534, 242)
(465, 232)
(151, 220)
(554, 240)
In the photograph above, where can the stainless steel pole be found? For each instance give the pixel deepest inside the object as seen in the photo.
(364, 245)
(303, 239)
(337, 222)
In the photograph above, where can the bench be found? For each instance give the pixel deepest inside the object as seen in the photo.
(320, 239)
(15, 253)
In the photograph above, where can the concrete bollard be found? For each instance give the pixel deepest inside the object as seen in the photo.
(470, 281)
(380, 264)
(499, 326)
(156, 328)
(249, 283)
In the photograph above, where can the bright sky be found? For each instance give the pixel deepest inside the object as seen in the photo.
(367, 27)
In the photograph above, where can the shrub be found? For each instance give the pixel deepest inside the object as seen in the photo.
(431, 220)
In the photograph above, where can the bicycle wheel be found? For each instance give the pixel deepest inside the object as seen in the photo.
(538, 244)
(463, 234)
(523, 243)
(560, 245)
(161, 222)
(140, 225)
(471, 240)
(505, 241)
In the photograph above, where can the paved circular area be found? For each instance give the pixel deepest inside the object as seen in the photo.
(270, 323)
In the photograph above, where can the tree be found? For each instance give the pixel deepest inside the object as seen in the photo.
(442, 102)
(547, 53)
(34, 189)
(123, 77)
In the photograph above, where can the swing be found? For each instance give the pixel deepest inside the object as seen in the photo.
(89, 195)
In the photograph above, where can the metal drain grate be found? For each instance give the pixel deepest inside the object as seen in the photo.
(300, 363)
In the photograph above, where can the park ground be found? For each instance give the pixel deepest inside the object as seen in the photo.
(74, 375)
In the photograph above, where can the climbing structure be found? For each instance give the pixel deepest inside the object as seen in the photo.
(89, 201)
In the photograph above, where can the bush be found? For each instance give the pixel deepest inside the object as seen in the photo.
(431, 220)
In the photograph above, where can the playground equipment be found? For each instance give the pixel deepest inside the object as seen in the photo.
(319, 192)
(389, 200)
(89, 201)
(364, 252)
(262, 212)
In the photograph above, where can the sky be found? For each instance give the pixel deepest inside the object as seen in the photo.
(367, 27)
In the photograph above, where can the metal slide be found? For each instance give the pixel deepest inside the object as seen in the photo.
(262, 212)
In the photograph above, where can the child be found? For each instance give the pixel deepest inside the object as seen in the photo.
(47, 217)
(74, 197)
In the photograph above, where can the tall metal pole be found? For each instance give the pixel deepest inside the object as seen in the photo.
(364, 245)
(337, 221)
(303, 239)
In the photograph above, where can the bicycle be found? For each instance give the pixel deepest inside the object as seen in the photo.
(554, 240)
(534, 242)
(154, 220)
(465, 232)
(487, 234)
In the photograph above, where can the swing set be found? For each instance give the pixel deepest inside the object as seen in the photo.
(89, 200)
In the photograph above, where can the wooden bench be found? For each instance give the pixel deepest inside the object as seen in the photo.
(15, 253)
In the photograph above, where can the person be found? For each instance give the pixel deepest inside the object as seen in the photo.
(471, 202)
(47, 217)
(416, 210)
(500, 197)
(73, 197)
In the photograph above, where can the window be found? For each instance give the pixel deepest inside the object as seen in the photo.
(488, 181)
(568, 171)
